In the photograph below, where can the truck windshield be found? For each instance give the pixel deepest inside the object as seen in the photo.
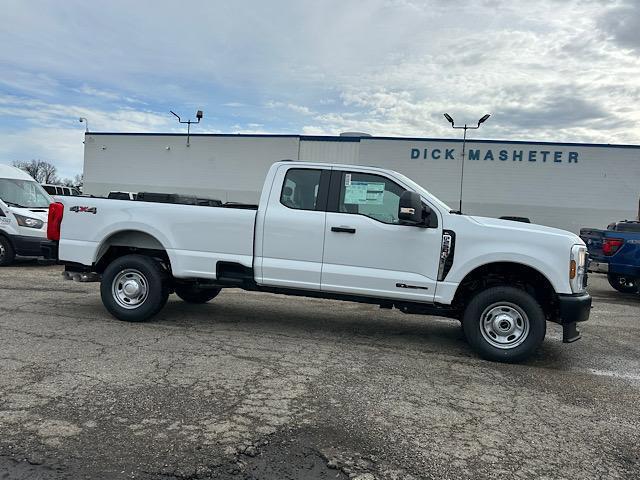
(23, 193)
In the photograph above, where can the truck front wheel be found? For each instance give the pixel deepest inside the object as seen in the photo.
(622, 283)
(192, 294)
(504, 324)
(134, 288)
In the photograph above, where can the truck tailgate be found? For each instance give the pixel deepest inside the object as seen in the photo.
(592, 237)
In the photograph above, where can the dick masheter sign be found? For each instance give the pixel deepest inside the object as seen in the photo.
(543, 156)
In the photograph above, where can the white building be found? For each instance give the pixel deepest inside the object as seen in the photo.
(566, 185)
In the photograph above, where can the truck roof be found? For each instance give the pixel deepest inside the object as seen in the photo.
(14, 173)
(336, 166)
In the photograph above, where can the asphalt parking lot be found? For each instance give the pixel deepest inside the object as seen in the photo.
(274, 387)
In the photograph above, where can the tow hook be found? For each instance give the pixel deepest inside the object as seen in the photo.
(84, 277)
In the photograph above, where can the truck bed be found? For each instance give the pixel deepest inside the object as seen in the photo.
(194, 237)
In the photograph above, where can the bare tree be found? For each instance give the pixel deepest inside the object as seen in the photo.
(41, 171)
(77, 181)
(49, 173)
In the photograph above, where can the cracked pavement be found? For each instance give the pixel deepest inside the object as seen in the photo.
(257, 386)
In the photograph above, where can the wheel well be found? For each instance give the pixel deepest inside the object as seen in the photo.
(7, 238)
(128, 242)
(507, 273)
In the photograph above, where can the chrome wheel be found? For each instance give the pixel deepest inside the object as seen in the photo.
(504, 325)
(622, 281)
(130, 288)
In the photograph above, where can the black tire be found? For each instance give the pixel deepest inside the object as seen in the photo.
(142, 272)
(191, 294)
(511, 318)
(622, 283)
(7, 254)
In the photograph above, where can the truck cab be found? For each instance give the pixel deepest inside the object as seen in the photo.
(24, 206)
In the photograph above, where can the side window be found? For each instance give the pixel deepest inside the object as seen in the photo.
(50, 189)
(59, 191)
(371, 195)
(66, 191)
(300, 188)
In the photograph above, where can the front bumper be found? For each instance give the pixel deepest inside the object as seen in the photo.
(27, 246)
(573, 308)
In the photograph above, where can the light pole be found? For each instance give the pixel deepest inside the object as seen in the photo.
(86, 124)
(464, 144)
(188, 122)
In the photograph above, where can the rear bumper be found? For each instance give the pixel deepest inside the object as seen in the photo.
(49, 249)
(598, 267)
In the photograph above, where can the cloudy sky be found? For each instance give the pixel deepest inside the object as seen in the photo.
(546, 70)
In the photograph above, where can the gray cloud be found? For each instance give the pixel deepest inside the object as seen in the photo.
(564, 70)
(622, 24)
(556, 111)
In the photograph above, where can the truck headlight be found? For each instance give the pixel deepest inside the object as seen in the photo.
(28, 221)
(578, 268)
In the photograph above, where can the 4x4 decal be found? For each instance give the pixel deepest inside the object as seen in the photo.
(77, 209)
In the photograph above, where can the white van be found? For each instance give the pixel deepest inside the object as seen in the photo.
(24, 206)
(63, 190)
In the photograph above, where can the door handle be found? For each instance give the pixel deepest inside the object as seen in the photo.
(343, 229)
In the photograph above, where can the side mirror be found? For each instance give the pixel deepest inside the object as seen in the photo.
(410, 209)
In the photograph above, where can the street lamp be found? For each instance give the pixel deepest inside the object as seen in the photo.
(464, 144)
(86, 124)
(188, 122)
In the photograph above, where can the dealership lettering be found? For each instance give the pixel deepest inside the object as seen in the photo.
(544, 156)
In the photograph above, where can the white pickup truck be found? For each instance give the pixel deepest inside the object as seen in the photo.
(342, 232)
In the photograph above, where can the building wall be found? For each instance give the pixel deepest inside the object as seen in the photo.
(227, 168)
(570, 186)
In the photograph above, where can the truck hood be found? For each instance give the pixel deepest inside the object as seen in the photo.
(526, 227)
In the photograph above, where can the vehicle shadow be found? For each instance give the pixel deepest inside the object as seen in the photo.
(349, 324)
(289, 316)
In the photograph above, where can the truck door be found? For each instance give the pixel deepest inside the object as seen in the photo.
(367, 251)
(293, 232)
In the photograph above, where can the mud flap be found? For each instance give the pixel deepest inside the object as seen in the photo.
(570, 333)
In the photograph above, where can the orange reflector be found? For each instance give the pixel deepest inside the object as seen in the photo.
(572, 269)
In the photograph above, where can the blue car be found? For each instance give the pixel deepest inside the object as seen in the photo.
(616, 253)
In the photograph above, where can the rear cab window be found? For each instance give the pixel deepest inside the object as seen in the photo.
(301, 189)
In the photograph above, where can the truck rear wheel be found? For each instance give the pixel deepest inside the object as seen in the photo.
(134, 288)
(504, 324)
(191, 294)
(7, 254)
(622, 283)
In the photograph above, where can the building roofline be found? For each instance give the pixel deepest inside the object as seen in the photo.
(332, 138)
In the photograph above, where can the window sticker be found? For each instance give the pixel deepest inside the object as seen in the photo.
(347, 180)
(364, 193)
